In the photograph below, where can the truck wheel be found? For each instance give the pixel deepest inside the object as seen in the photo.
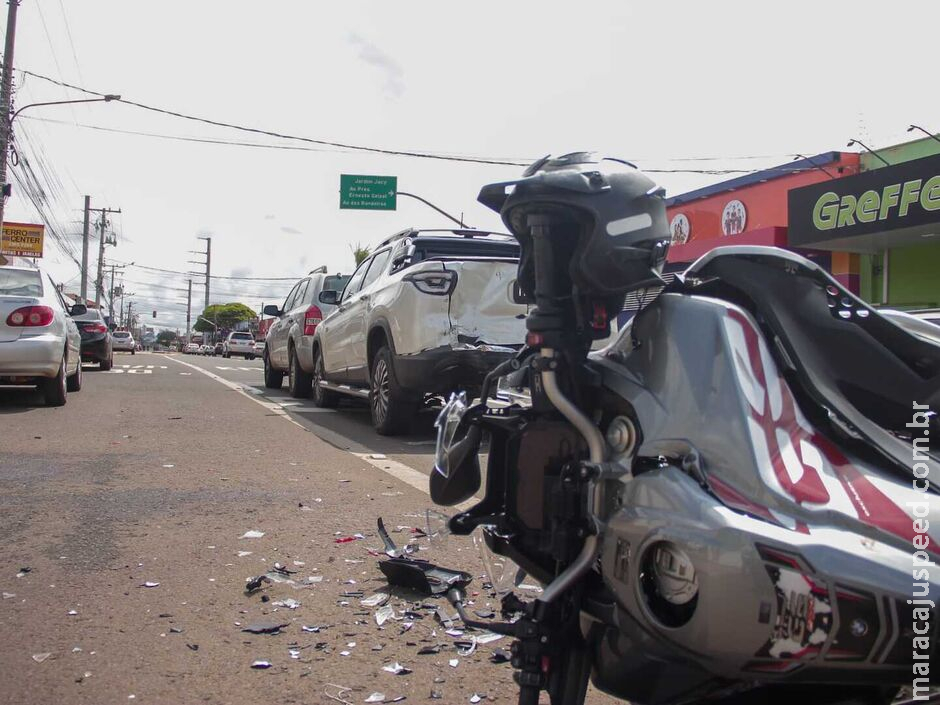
(273, 379)
(323, 398)
(299, 383)
(393, 408)
(74, 383)
(53, 390)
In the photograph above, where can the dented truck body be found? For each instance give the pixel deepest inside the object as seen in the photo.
(440, 302)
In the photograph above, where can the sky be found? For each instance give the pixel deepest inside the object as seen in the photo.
(677, 87)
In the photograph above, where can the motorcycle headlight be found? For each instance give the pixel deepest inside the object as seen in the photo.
(446, 424)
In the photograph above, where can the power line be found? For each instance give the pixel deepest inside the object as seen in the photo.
(263, 145)
(281, 135)
(214, 276)
(68, 31)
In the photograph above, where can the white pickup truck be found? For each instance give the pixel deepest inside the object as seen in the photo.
(429, 312)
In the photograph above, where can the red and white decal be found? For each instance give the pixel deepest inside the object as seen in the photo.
(795, 458)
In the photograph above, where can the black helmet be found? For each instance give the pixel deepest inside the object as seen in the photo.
(615, 212)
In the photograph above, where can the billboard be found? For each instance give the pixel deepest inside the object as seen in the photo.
(22, 240)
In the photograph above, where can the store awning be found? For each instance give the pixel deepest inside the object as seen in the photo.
(774, 236)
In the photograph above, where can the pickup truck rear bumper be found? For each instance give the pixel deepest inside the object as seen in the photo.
(445, 369)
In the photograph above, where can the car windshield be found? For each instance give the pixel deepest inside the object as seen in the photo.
(20, 282)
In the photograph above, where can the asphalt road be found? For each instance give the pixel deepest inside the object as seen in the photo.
(348, 427)
(151, 475)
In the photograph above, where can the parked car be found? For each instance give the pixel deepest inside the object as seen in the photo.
(123, 340)
(291, 335)
(239, 343)
(429, 312)
(39, 342)
(191, 348)
(96, 338)
(219, 348)
(259, 348)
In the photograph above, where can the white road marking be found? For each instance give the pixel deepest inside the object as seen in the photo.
(140, 372)
(398, 470)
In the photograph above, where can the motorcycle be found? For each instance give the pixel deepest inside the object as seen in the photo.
(730, 502)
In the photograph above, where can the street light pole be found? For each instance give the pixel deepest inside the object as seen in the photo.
(869, 150)
(6, 129)
(931, 135)
(6, 95)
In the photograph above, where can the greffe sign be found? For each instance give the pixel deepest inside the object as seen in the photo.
(886, 199)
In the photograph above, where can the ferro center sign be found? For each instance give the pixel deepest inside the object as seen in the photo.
(374, 193)
(22, 240)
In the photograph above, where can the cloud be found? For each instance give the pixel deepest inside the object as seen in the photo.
(269, 217)
(241, 272)
(289, 230)
(372, 55)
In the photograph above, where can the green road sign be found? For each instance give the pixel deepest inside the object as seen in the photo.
(373, 193)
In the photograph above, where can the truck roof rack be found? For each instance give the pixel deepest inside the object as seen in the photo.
(319, 270)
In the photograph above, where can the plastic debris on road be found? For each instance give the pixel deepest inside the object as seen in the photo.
(383, 614)
(453, 663)
(379, 598)
(423, 576)
(261, 664)
(39, 658)
(252, 534)
(289, 603)
(254, 584)
(150, 584)
(500, 656)
(489, 638)
(269, 627)
(397, 669)
(375, 698)
(9, 595)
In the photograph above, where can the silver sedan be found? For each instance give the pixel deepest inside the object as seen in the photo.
(39, 342)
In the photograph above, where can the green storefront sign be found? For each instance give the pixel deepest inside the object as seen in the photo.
(362, 192)
(888, 199)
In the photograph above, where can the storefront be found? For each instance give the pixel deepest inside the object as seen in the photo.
(885, 222)
(750, 209)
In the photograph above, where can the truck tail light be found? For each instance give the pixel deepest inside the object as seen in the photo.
(29, 316)
(437, 283)
(312, 318)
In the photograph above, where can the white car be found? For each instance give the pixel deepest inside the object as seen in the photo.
(191, 348)
(239, 343)
(39, 342)
(123, 340)
(259, 348)
(429, 312)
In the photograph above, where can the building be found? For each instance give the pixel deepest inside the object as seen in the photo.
(871, 219)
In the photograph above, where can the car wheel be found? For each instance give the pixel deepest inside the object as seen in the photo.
(323, 398)
(273, 379)
(299, 383)
(74, 383)
(393, 408)
(54, 389)
(106, 365)
(133, 352)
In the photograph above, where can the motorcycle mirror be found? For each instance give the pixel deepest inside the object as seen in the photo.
(464, 477)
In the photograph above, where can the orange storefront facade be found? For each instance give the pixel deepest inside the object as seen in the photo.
(752, 210)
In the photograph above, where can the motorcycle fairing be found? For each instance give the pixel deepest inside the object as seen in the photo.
(719, 392)
(850, 360)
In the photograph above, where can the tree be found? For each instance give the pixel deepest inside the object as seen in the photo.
(223, 315)
(360, 253)
(166, 337)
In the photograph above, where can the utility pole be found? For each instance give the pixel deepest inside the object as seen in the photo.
(102, 224)
(6, 98)
(207, 264)
(85, 251)
(189, 303)
(111, 298)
